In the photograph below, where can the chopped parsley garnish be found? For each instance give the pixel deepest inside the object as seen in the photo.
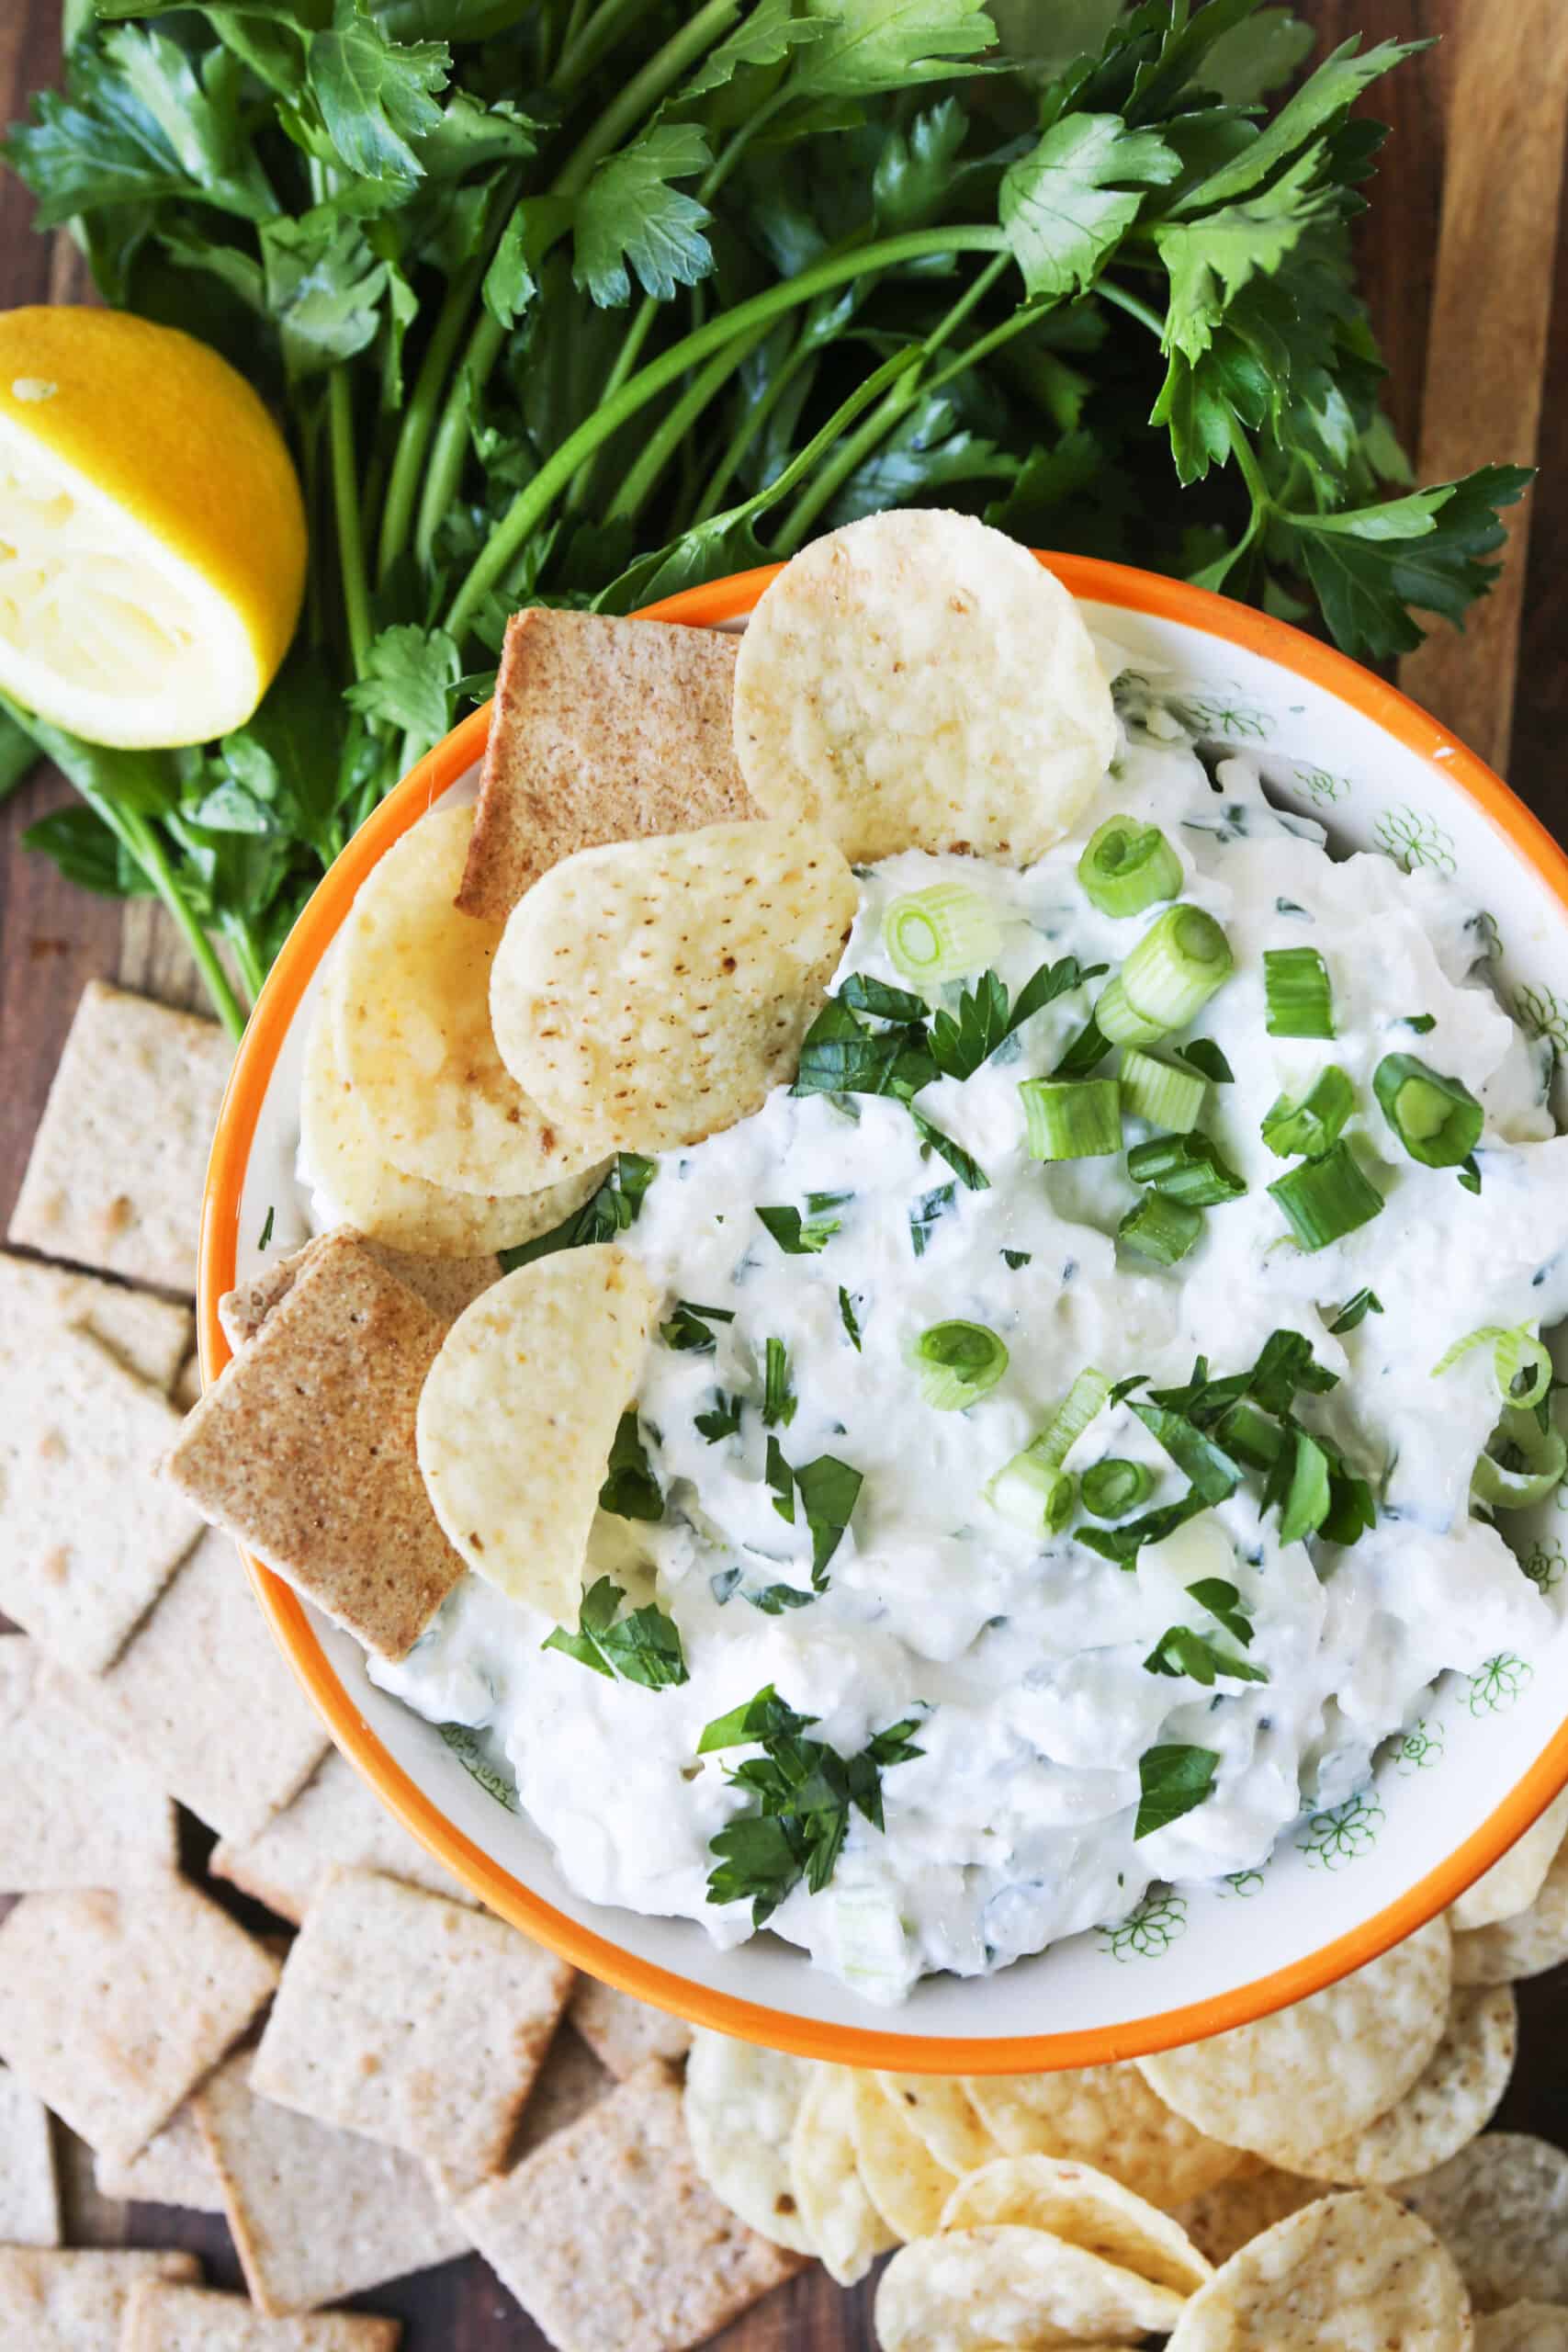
(1172, 1780)
(987, 1017)
(722, 1420)
(688, 1328)
(778, 1397)
(928, 1211)
(797, 1236)
(266, 1241)
(829, 1490)
(883, 1001)
(1207, 1059)
(1470, 1174)
(968, 1170)
(630, 1490)
(841, 1055)
(1422, 1023)
(1356, 1310)
(605, 1213)
(1180, 1650)
(848, 1316)
(643, 1647)
(1085, 1053)
(1221, 1599)
(781, 1478)
(1016, 1258)
(1209, 1467)
(773, 1599)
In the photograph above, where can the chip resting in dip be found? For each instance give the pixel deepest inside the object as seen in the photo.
(1015, 1327)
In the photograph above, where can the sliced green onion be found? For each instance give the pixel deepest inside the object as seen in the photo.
(1113, 1487)
(1311, 1125)
(1325, 1199)
(1249, 1433)
(1035, 1495)
(956, 1362)
(1116, 1019)
(1521, 1465)
(1175, 968)
(1155, 1091)
(1071, 1118)
(1162, 1230)
(1072, 1416)
(1185, 1168)
(1300, 1001)
(1437, 1119)
(1520, 1364)
(940, 933)
(1128, 866)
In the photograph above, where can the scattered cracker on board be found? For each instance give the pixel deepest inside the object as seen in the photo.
(1108, 2117)
(162, 2318)
(304, 1450)
(741, 2104)
(174, 2168)
(74, 2301)
(113, 2007)
(120, 1159)
(622, 2033)
(1501, 2207)
(334, 1819)
(446, 1284)
(29, 2192)
(77, 1811)
(149, 1335)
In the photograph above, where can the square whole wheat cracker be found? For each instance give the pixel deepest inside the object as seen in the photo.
(611, 2239)
(187, 1390)
(603, 730)
(174, 2168)
(163, 2318)
(89, 1534)
(446, 1284)
(113, 2007)
(119, 1159)
(316, 2214)
(30, 2190)
(202, 1697)
(416, 2021)
(77, 1812)
(622, 2033)
(569, 2081)
(149, 1335)
(333, 1820)
(304, 1450)
(75, 2301)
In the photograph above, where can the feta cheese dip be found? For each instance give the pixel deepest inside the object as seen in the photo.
(1097, 1509)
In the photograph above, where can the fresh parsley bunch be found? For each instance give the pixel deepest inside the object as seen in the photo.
(586, 301)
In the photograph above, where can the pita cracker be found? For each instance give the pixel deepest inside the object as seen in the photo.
(918, 681)
(1454, 2097)
(1083, 2208)
(113, 2007)
(904, 2180)
(333, 1820)
(75, 2301)
(1528, 1944)
(654, 992)
(1523, 2327)
(446, 1284)
(1235, 2211)
(838, 2217)
(1501, 2207)
(174, 2168)
(163, 2318)
(77, 1812)
(1511, 1885)
(603, 730)
(1107, 2116)
(945, 2116)
(119, 1159)
(150, 1336)
(609, 2238)
(971, 2288)
(1312, 2074)
(409, 1001)
(1345, 2274)
(741, 2106)
(622, 2033)
(89, 1534)
(316, 2214)
(29, 2193)
(304, 1450)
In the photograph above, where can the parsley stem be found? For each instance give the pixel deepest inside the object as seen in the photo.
(141, 839)
(1109, 292)
(585, 44)
(671, 428)
(643, 93)
(346, 509)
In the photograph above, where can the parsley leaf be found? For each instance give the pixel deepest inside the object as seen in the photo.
(607, 1213)
(781, 1478)
(408, 680)
(689, 1330)
(1172, 1780)
(644, 1647)
(1207, 1060)
(874, 45)
(1086, 1052)
(1221, 1600)
(778, 1397)
(796, 1237)
(1067, 205)
(862, 993)
(1370, 565)
(1210, 1470)
(630, 213)
(722, 1420)
(1122, 1545)
(630, 1490)
(987, 1018)
(849, 1318)
(968, 1170)
(376, 93)
(1356, 1310)
(929, 1211)
(1180, 1651)
(830, 1490)
(839, 1055)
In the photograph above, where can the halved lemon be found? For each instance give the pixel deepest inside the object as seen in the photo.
(151, 530)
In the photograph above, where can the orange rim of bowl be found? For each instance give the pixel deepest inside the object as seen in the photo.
(1100, 583)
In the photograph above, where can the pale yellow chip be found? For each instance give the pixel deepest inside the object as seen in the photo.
(969, 2289)
(1295, 2082)
(518, 1413)
(362, 1187)
(410, 1015)
(1454, 2097)
(1501, 2207)
(1511, 1885)
(1524, 2328)
(1347, 2274)
(1235, 2211)
(906, 2183)
(835, 2211)
(1108, 2117)
(1084, 2207)
(651, 992)
(946, 2117)
(1527, 1945)
(741, 2106)
(917, 681)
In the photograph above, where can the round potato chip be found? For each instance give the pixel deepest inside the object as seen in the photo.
(1501, 2207)
(652, 993)
(1007, 2286)
(1083, 2208)
(1454, 2097)
(1313, 2073)
(1348, 2274)
(1511, 1885)
(918, 681)
(840, 2218)
(906, 2183)
(411, 1015)
(1527, 1945)
(1108, 2117)
(407, 1212)
(1523, 2327)
(946, 2117)
(518, 1413)
(1235, 2211)
(741, 2108)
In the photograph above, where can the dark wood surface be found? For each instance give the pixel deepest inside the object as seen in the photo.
(53, 938)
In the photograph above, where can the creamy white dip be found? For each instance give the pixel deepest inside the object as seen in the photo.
(1024, 1657)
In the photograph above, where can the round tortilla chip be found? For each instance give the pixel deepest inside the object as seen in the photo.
(1347, 2274)
(1527, 1945)
(408, 1212)
(1501, 2207)
(1511, 1885)
(918, 681)
(1235, 2211)
(941, 2109)
(1454, 2099)
(411, 1015)
(1523, 2327)
(844, 2226)
(742, 2104)
(906, 2183)
(1005, 2286)
(1308, 2075)
(518, 1413)
(652, 993)
(1107, 2116)
(1083, 2208)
